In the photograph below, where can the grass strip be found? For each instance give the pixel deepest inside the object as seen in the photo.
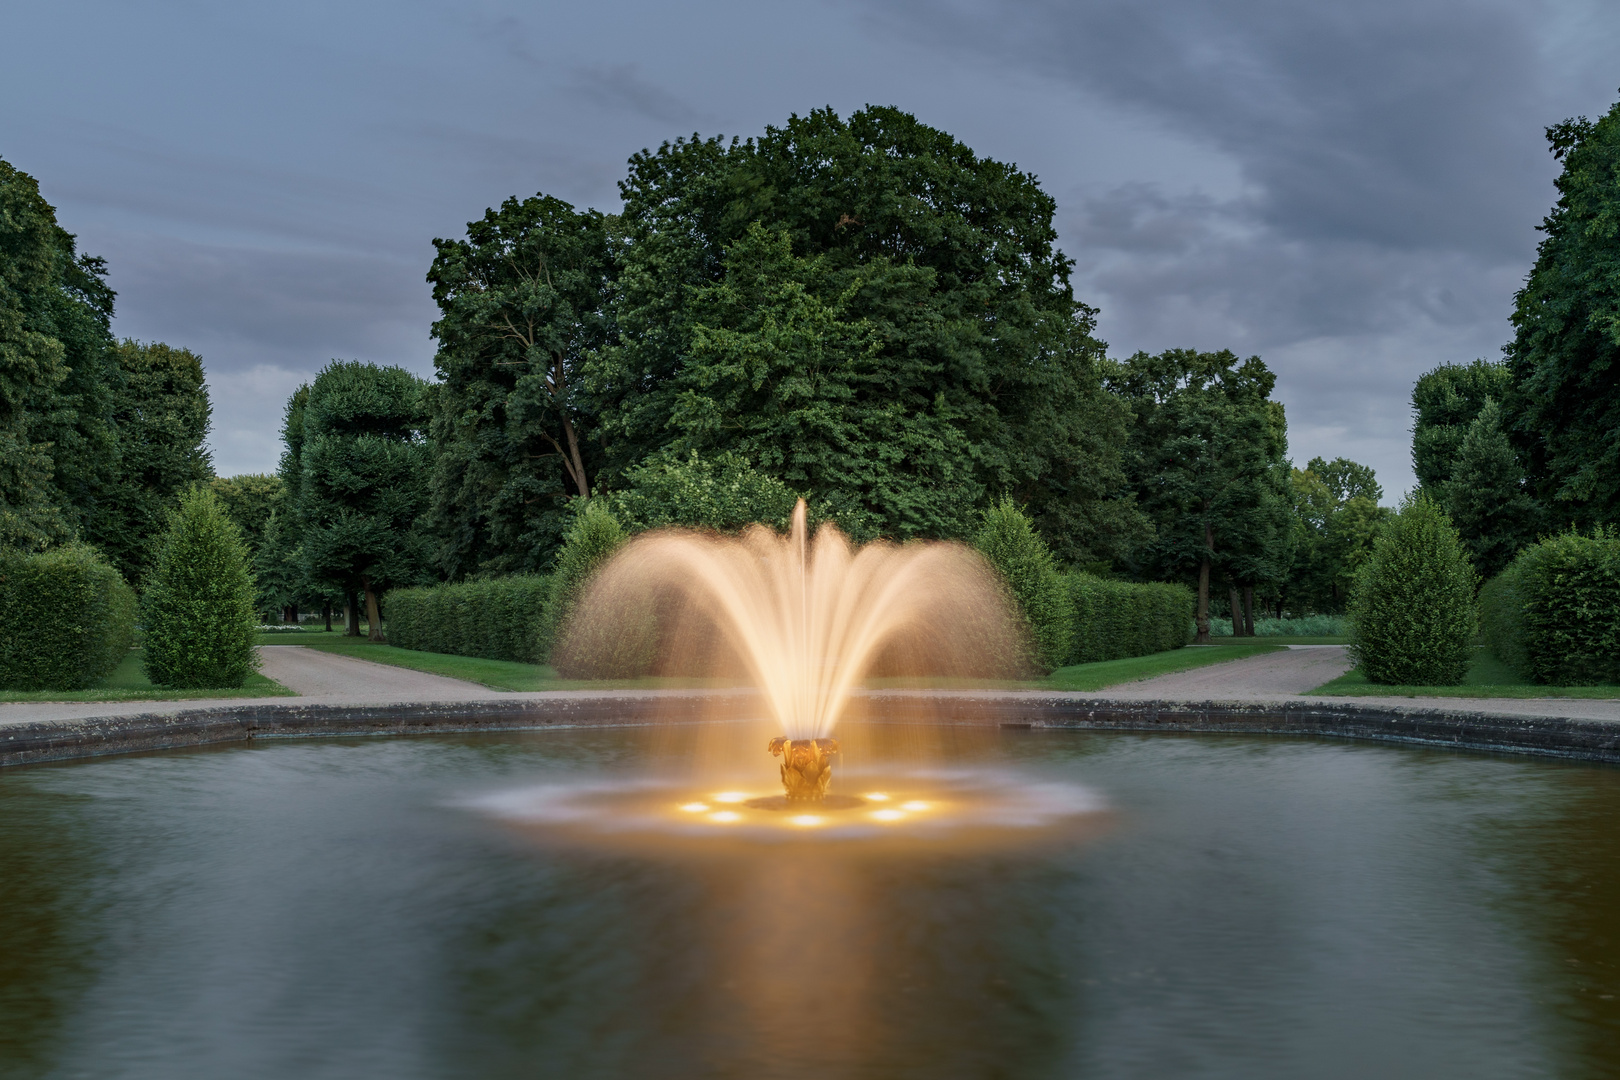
(1487, 677)
(128, 682)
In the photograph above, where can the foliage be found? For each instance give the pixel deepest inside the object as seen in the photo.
(522, 301)
(66, 618)
(1564, 412)
(1567, 632)
(198, 604)
(250, 499)
(362, 486)
(1445, 402)
(161, 413)
(495, 618)
(1207, 463)
(589, 542)
(1117, 619)
(722, 491)
(1008, 541)
(1413, 612)
(1298, 626)
(870, 313)
(1487, 497)
(1336, 520)
(1501, 618)
(57, 445)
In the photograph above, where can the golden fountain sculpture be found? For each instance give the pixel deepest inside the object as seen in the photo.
(804, 619)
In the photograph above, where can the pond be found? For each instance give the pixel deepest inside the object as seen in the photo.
(1245, 907)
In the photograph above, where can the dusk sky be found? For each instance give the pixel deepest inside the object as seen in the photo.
(1349, 190)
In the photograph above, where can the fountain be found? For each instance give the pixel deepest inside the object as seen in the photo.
(804, 619)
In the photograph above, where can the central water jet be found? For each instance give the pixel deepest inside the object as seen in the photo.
(804, 619)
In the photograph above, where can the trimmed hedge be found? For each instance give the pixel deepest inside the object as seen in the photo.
(497, 618)
(199, 603)
(1413, 612)
(1554, 614)
(1113, 620)
(66, 619)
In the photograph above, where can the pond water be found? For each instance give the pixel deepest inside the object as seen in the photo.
(1245, 908)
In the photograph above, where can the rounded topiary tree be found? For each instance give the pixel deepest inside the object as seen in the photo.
(589, 542)
(1414, 612)
(1008, 540)
(198, 608)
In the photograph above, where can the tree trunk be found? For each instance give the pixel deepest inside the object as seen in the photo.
(373, 613)
(1248, 611)
(326, 613)
(1237, 610)
(351, 615)
(578, 466)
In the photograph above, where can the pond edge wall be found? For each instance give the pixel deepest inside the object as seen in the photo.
(177, 726)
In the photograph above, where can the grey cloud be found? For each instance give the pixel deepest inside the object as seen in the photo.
(620, 86)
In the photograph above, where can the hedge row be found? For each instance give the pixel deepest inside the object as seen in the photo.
(66, 619)
(499, 618)
(1554, 614)
(1115, 619)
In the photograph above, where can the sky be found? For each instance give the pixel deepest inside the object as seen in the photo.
(1348, 190)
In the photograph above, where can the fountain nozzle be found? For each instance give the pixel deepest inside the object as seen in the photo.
(806, 765)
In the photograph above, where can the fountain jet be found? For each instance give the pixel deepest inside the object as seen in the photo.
(804, 619)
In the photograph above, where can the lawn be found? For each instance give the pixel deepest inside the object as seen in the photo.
(495, 674)
(128, 682)
(1487, 678)
(511, 675)
(1107, 673)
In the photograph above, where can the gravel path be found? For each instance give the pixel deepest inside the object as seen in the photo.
(315, 673)
(1293, 672)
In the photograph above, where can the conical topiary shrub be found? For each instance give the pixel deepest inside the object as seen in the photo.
(1413, 612)
(198, 608)
(1008, 540)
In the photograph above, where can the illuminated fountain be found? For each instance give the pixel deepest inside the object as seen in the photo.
(806, 621)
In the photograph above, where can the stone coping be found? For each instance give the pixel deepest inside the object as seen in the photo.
(176, 725)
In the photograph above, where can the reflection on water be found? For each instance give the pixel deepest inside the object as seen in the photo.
(1257, 908)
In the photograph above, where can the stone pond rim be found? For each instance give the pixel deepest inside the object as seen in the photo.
(173, 728)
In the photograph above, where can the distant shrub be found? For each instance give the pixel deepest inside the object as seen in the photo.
(1298, 626)
(1113, 620)
(66, 618)
(1413, 613)
(589, 542)
(496, 618)
(198, 607)
(723, 491)
(1501, 619)
(1555, 616)
(1008, 540)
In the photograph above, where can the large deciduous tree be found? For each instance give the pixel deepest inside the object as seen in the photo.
(522, 301)
(1337, 519)
(1564, 411)
(161, 413)
(362, 489)
(1444, 402)
(873, 314)
(58, 449)
(1207, 462)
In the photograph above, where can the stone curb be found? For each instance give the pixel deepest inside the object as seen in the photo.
(56, 740)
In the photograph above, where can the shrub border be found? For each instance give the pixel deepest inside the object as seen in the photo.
(1545, 736)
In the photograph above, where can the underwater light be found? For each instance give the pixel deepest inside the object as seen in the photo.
(914, 806)
(725, 817)
(806, 820)
(887, 815)
(695, 807)
(731, 796)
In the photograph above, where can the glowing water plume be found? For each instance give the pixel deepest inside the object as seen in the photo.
(805, 620)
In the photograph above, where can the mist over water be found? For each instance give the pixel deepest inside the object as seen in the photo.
(1256, 908)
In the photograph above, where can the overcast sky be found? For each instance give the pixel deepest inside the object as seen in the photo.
(1348, 189)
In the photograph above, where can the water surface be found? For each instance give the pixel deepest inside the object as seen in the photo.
(1256, 908)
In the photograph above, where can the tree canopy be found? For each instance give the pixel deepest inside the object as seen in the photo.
(1207, 464)
(1564, 412)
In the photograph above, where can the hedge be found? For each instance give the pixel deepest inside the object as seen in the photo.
(66, 619)
(1008, 541)
(1554, 614)
(1116, 619)
(1413, 610)
(497, 618)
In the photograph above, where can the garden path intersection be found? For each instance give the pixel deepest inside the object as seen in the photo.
(340, 695)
